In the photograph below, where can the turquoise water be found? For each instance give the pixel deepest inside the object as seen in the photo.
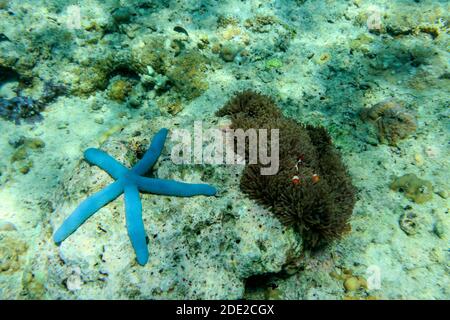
(110, 74)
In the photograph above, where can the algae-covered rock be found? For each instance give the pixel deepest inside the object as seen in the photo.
(362, 43)
(7, 226)
(441, 228)
(4, 4)
(149, 51)
(393, 122)
(28, 144)
(409, 223)
(228, 52)
(33, 284)
(408, 19)
(175, 107)
(188, 74)
(122, 15)
(405, 18)
(261, 23)
(185, 72)
(119, 90)
(95, 66)
(25, 166)
(352, 284)
(91, 75)
(414, 188)
(21, 156)
(15, 56)
(11, 251)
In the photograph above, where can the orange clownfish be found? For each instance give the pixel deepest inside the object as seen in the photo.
(315, 178)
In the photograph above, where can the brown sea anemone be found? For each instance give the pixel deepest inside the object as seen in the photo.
(319, 208)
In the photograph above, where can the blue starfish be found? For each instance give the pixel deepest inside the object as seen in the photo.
(129, 182)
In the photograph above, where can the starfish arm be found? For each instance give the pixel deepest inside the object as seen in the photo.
(135, 225)
(106, 162)
(86, 209)
(174, 188)
(152, 153)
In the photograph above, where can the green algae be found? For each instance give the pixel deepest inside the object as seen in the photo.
(274, 63)
(92, 75)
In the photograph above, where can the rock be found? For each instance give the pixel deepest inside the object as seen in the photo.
(440, 229)
(352, 284)
(200, 247)
(99, 120)
(16, 141)
(11, 251)
(4, 4)
(74, 281)
(187, 74)
(443, 194)
(409, 19)
(25, 167)
(7, 226)
(151, 78)
(408, 223)
(228, 52)
(21, 156)
(120, 89)
(175, 108)
(21, 108)
(62, 125)
(122, 15)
